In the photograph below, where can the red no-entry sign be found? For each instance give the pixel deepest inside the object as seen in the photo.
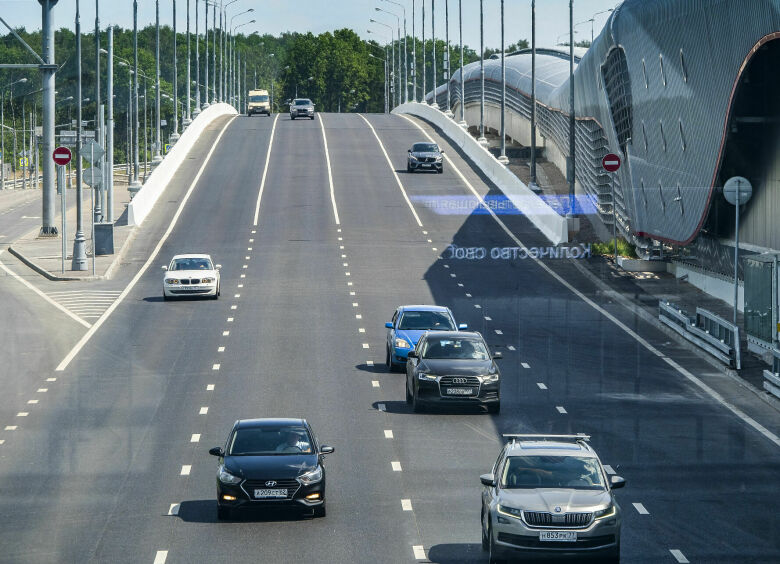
(61, 155)
(611, 162)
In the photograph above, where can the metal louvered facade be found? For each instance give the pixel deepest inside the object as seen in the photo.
(657, 87)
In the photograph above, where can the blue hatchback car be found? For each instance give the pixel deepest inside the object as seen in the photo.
(408, 324)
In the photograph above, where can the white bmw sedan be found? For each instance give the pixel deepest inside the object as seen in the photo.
(191, 275)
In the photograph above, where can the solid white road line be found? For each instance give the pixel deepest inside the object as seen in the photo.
(396, 466)
(174, 509)
(707, 389)
(265, 172)
(542, 385)
(160, 557)
(195, 438)
(185, 470)
(560, 409)
(419, 552)
(395, 174)
(330, 173)
(406, 504)
(388, 433)
(679, 556)
(92, 330)
(60, 307)
(640, 509)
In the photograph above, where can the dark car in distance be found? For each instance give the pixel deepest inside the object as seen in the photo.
(453, 368)
(271, 463)
(425, 156)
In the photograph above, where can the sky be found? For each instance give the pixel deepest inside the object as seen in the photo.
(317, 16)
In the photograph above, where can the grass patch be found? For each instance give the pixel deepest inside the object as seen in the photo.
(625, 249)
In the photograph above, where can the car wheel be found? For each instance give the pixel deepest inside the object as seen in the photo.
(320, 511)
(387, 360)
(441, 170)
(312, 117)
(494, 557)
(494, 408)
(613, 556)
(165, 298)
(485, 539)
(223, 513)
(408, 167)
(292, 116)
(416, 405)
(408, 395)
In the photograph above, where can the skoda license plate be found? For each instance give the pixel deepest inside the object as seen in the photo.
(559, 536)
(460, 391)
(264, 494)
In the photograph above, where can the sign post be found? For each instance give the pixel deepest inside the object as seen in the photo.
(737, 190)
(611, 163)
(61, 157)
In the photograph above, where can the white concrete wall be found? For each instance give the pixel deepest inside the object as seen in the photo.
(717, 286)
(552, 225)
(143, 202)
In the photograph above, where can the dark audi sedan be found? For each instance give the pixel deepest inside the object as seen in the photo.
(271, 462)
(453, 368)
(425, 156)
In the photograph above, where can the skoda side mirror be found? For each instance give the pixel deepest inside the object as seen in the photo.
(325, 449)
(488, 480)
(463, 326)
(217, 451)
(219, 267)
(498, 356)
(389, 325)
(408, 150)
(617, 482)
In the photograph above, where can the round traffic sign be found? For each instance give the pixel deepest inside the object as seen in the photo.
(610, 162)
(737, 184)
(61, 155)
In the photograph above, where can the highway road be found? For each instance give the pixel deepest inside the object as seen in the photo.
(111, 465)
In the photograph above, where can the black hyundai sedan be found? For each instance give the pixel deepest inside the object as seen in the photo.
(271, 462)
(425, 156)
(453, 368)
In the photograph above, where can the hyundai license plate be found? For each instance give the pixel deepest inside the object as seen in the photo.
(261, 494)
(559, 536)
(460, 391)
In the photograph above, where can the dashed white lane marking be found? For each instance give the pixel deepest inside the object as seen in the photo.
(33, 401)
(608, 469)
(23, 414)
(341, 247)
(341, 238)
(249, 248)
(365, 345)
(446, 265)
(419, 552)
(243, 276)
(152, 257)
(434, 249)
(265, 172)
(237, 296)
(358, 316)
(396, 466)
(460, 285)
(174, 509)
(254, 231)
(2, 441)
(453, 275)
(354, 304)
(388, 433)
(245, 266)
(361, 330)
(203, 410)
(161, 555)
(11, 427)
(395, 174)
(330, 173)
(488, 318)
(430, 241)
(251, 240)
(510, 347)
(640, 509)
(375, 383)
(381, 407)
(406, 504)
(210, 387)
(347, 274)
(679, 556)
(344, 264)
(338, 230)
(52, 379)
(477, 306)
(215, 367)
(349, 283)
(247, 258)
(42, 390)
(468, 295)
(195, 438)
(225, 333)
(220, 349)
(525, 365)
(230, 320)
(560, 409)
(542, 385)
(425, 232)
(185, 470)
(234, 307)
(369, 363)
(499, 332)
(352, 293)
(240, 286)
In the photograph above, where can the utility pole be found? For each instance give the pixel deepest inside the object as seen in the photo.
(414, 57)
(206, 66)
(48, 71)
(97, 209)
(187, 119)
(109, 176)
(572, 123)
(214, 52)
(533, 184)
(135, 184)
(462, 81)
(503, 158)
(433, 42)
(446, 60)
(482, 141)
(424, 71)
(157, 159)
(175, 135)
(79, 261)
(196, 112)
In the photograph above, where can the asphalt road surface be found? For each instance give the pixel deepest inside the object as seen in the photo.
(111, 464)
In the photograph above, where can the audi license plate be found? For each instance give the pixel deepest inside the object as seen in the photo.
(265, 494)
(460, 391)
(559, 536)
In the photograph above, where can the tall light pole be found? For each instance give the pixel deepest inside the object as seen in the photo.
(187, 119)
(533, 184)
(79, 261)
(196, 111)
(424, 71)
(109, 176)
(135, 184)
(97, 210)
(2, 128)
(48, 205)
(232, 44)
(433, 48)
(502, 157)
(406, 58)
(236, 78)
(157, 159)
(390, 28)
(223, 51)
(482, 141)
(175, 135)
(398, 28)
(462, 80)
(414, 56)
(214, 51)
(572, 123)
(447, 74)
(385, 62)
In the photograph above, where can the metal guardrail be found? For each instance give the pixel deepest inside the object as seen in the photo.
(706, 330)
(772, 377)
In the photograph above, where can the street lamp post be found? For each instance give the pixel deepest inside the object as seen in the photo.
(157, 159)
(174, 137)
(447, 74)
(503, 158)
(533, 185)
(571, 167)
(389, 27)
(205, 103)
(406, 58)
(97, 210)
(2, 130)
(414, 56)
(187, 118)
(385, 62)
(482, 141)
(79, 261)
(196, 111)
(398, 28)
(135, 185)
(435, 104)
(424, 71)
(462, 122)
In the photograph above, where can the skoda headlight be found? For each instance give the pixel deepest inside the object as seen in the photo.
(206, 280)
(402, 344)
(510, 511)
(171, 281)
(311, 477)
(608, 511)
(488, 378)
(227, 478)
(427, 377)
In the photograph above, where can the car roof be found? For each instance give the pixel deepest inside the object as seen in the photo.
(268, 422)
(454, 334)
(550, 448)
(191, 256)
(422, 308)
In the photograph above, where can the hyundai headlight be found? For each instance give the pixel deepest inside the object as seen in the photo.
(311, 477)
(488, 378)
(402, 344)
(608, 511)
(227, 478)
(510, 511)
(171, 281)
(427, 377)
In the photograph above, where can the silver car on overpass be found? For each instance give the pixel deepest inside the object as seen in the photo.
(549, 496)
(301, 107)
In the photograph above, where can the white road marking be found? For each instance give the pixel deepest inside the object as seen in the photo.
(252, 240)
(468, 295)
(11, 427)
(225, 333)
(2, 441)
(254, 231)
(679, 556)
(392, 169)
(430, 241)
(460, 285)
(510, 347)
(560, 409)
(341, 247)
(160, 557)
(237, 296)
(477, 306)
(396, 466)
(346, 274)
(345, 264)
(358, 316)
(525, 365)
(338, 230)
(185, 470)
(608, 469)
(354, 304)
(152, 257)
(220, 349)
(707, 389)
(62, 308)
(215, 367)
(365, 345)
(453, 275)
(234, 307)
(209, 387)
(499, 332)
(265, 171)
(361, 329)
(406, 504)
(243, 276)
(51, 379)
(32, 401)
(640, 509)
(42, 390)
(381, 407)
(245, 266)
(249, 248)
(352, 293)
(488, 318)
(419, 552)
(375, 383)
(446, 265)
(203, 411)
(434, 248)
(248, 258)
(195, 438)
(23, 414)
(330, 173)
(369, 363)
(349, 283)
(340, 238)
(425, 232)
(240, 286)
(388, 433)
(343, 256)
(542, 385)
(174, 509)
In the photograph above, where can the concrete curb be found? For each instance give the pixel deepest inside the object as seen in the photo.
(652, 320)
(39, 269)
